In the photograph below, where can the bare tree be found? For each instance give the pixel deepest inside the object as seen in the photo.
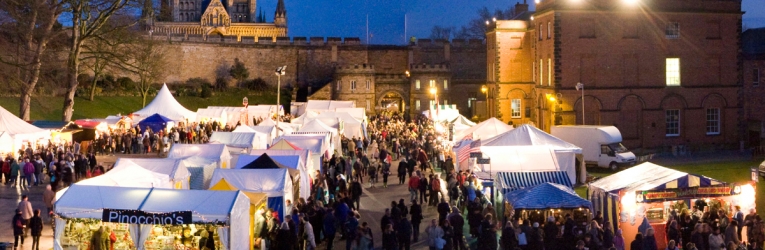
(438, 32)
(148, 62)
(107, 51)
(29, 24)
(89, 20)
(477, 27)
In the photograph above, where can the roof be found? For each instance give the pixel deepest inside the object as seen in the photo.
(266, 162)
(50, 124)
(463, 120)
(546, 196)
(753, 43)
(527, 135)
(13, 125)
(649, 176)
(215, 152)
(83, 201)
(174, 168)
(290, 161)
(165, 104)
(315, 143)
(255, 198)
(511, 181)
(207, 205)
(236, 139)
(484, 130)
(284, 144)
(273, 182)
(317, 126)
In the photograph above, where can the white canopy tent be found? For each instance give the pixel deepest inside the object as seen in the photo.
(201, 160)
(311, 161)
(240, 140)
(17, 132)
(484, 130)
(174, 169)
(207, 115)
(229, 208)
(308, 115)
(275, 183)
(130, 174)
(324, 105)
(316, 126)
(290, 161)
(524, 159)
(317, 144)
(463, 121)
(232, 114)
(166, 105)
(285, 128)
(351, 127)
(358, 113)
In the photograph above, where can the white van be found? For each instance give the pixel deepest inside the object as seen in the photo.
(601, 145)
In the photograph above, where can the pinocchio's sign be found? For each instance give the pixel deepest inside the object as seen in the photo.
(141, 217)
(683, 193)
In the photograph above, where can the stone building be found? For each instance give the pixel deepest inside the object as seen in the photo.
(659, 84)
(753, 47)
(235, 19)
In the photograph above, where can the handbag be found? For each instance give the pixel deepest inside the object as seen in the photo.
(440, 242)
(522, 239)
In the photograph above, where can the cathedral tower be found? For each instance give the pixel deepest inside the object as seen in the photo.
(280, 17)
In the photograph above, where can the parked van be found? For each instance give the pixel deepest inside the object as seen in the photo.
(601, 145)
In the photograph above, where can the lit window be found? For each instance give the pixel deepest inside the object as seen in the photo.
(369, 84)
(432, 83)
(417, 104)
(369, 105)
(713, 121)
(470, 101)
(446, 84)
(549, 71)
(353, 84)
(432, 104)
(446, 102)
(515, 107)
(673, 122)
(673, 30)
(417, 84)
(541, 72)
(549, 30)
(756, 77)
(673, 71)
(338, 84)
(540, 32)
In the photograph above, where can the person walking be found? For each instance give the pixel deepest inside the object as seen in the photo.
(48, 196)
(416, 211)
(15, 171)
(435, 236)
(402, 172)
(404, 233)
(18, 229)
(443, 209)
(356, 193)
(329, 224)
(435, 189)
(308, 237)
(649, 241)
(458, 222)
(36, 226)
(414, 183)
(389, 238)
(26, 211)
(508, 240)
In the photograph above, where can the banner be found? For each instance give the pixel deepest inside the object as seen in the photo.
(683, 193)
(141, 217)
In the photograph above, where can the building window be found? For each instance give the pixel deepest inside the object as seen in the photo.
(353, 84)
(673, 30)
(755, 77)
(446, 84)
(432, 104)
(417, 84)
(470, 101)
(369, 84)
(673, 71)
(549, 30)
(515, 107)
(673, 122)
(417, 104)
(540, 32)
(446, 102)
(338, 85)
(432, 83)
(369, 105)
(541, 73)
(533, 69)
(549, 71)
(713, 121)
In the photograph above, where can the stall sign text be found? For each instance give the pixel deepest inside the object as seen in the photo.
(686, 193)
(141, 217)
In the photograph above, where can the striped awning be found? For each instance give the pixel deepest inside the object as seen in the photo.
(511, 181)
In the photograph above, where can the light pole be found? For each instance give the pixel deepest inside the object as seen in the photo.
(485, 90)
(280, 71)
(434, 91)
(580, 86)
(556, 100)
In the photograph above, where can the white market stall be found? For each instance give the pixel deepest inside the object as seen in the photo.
(311, 161)
(289, 161)
(317, 144)
(201, 160)
(174, 169)
(484, 130)
(212, 115)
(166, 105)
(351, 127)
(16, 134)
(149, 218)
(277, 184)
(130, 174)
(236, 141)
(524, 159)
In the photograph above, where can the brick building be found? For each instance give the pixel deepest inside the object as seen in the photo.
(664, 72)
(753, 47)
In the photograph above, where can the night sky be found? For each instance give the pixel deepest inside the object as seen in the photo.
(348, 18)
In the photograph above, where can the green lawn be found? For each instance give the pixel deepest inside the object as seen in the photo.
(734, 171)
(49, 108)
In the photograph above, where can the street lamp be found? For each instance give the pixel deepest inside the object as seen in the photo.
(485, 90)
(280, 71)
(580, 86)
(555, 99)
(434, 91)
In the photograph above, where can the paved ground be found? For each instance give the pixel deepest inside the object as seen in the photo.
(373, 204)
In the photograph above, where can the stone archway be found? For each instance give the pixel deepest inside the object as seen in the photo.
(392, 100)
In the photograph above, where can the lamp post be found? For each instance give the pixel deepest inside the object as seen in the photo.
(434, 91)
(280, 71)
(556, 100)
(580, 86)
(485, 90)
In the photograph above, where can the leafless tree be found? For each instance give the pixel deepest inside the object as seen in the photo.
(148, 62)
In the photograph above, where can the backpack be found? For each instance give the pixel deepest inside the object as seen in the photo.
(435, 184)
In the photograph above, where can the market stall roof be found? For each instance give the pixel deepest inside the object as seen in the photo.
(207, 206)
(243, 129)
(463, 121)
(649, 176)
(213, 152)
(511, 181)
(51, 125)
(307, 116)
(255, 198)
(546, 196)
(14, 126)
(317, 126)
(84, 201)
(238, 139)
(156, 122)
(129, 174)
(269, 181)
(527, 135)
(284, 145)
(315, 143)
(290, 161)
(266, 162)
(90, 123)
(174, 168)
(165, 104)
(484, 130)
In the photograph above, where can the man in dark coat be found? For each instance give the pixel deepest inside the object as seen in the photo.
(329, 225)
(356, 192)
(404, 229)
(458, 222)
(416, 211)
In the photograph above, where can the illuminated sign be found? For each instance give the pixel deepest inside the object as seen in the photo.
(684, 193)
(141, 217)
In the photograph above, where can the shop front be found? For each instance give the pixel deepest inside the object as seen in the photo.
(539, 202)
(647, 195)
(149, 218)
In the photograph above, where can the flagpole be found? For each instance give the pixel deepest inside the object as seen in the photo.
(367, 28)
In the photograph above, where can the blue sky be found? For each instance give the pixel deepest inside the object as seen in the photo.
(348, 18)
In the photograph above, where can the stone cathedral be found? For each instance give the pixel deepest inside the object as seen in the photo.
(218, 19)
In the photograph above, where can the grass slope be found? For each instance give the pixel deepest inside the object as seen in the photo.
(49, 108)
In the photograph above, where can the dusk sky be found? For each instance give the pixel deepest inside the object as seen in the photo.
(347, 18)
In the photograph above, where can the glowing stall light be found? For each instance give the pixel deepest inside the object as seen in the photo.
(439, 128)
(629, 203)
(746, 198)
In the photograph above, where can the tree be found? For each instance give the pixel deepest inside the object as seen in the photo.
(29, 25)
(439, 32)
(148, 62)
(476, 28)
(239, 72)
(88, 19)
(106, 51)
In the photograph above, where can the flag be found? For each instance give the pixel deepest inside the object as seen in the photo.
(464, 152)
